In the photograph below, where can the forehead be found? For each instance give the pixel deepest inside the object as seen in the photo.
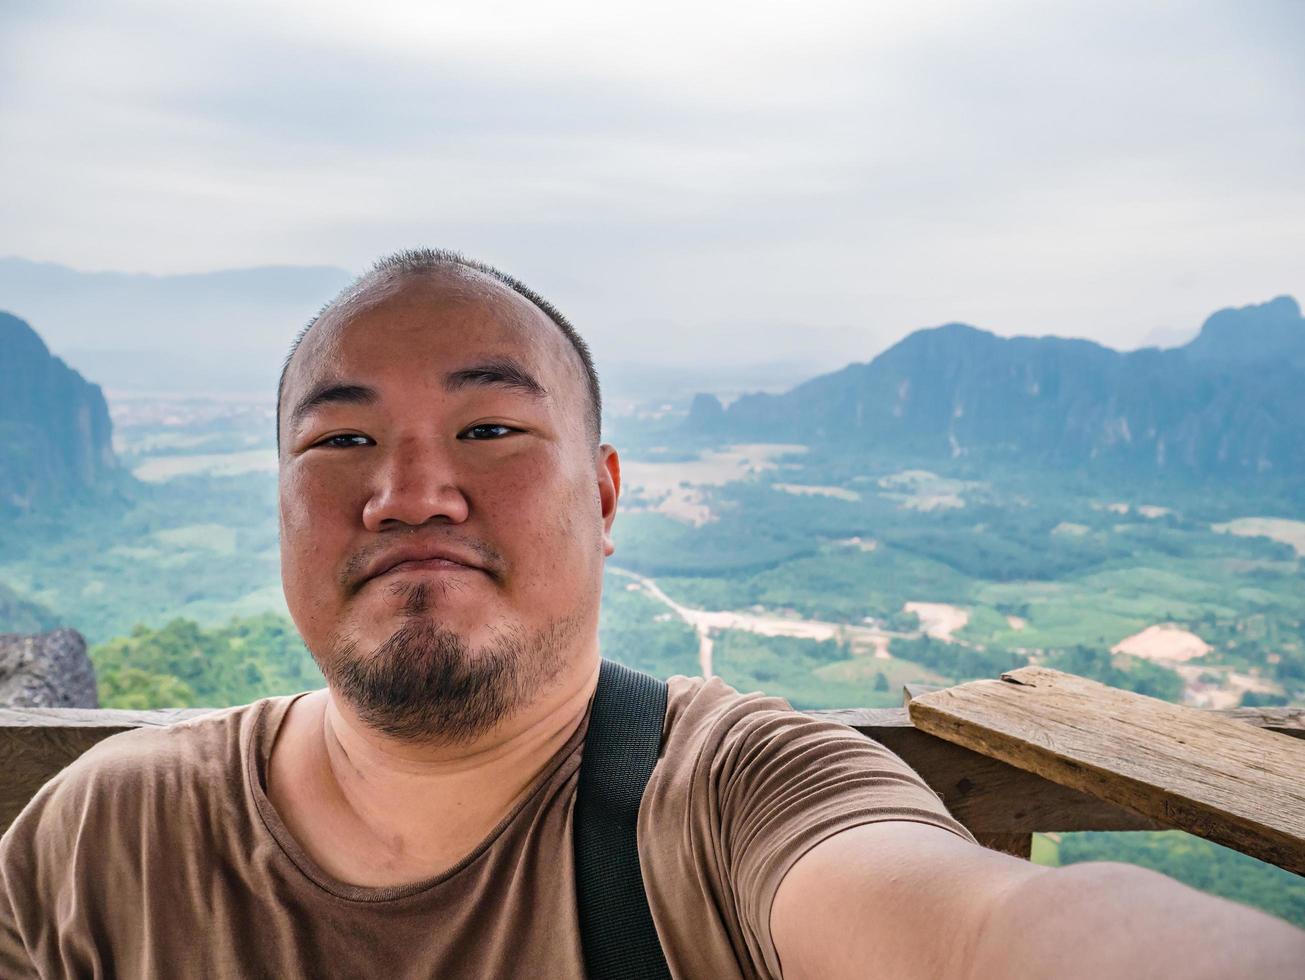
(431, 323)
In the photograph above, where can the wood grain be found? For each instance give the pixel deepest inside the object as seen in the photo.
(1211, 775)
(35, 743)
(997, 801)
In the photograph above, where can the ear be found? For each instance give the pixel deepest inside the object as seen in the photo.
(609, 491)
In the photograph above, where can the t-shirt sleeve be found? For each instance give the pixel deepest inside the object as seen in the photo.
(14, 960)
(797, 782)
(763, 784)
(32, 851)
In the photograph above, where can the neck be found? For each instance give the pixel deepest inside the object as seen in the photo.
(375, 810)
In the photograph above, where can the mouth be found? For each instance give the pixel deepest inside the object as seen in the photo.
(425, 566)
(422, 560)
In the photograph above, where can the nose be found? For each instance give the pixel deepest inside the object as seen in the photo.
(416, 484)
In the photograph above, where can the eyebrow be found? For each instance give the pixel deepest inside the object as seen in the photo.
(332, 393)
(499, 372)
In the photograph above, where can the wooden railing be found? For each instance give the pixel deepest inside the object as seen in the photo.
(1035, 751)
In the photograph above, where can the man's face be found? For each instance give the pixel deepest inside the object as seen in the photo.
(441, 495)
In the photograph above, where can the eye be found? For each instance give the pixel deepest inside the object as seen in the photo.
(488, 430)
(344, 440)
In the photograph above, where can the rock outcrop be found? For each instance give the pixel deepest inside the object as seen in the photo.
(47, 670)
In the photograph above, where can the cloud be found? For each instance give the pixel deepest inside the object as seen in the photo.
(693, 180)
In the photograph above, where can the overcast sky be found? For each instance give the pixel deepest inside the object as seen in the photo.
(688, 180)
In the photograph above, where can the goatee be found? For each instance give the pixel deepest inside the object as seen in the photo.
(427, 684)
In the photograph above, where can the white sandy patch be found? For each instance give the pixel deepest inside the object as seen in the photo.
(1163, 642)
(1151, 511)
(1071, 529)
(164, 468)
(706, 623)
(1115, 508)
(936, 501)
(675, 487)
(1201, 691)
(863, 544)
(938, 619)
(924, 491)
(1278, 528)
(801, 489)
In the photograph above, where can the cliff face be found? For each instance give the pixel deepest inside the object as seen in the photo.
(1231, 402)
(55, 434)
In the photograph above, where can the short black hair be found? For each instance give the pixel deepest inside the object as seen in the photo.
(419, 261)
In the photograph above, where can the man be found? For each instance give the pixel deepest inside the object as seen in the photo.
(446, 509)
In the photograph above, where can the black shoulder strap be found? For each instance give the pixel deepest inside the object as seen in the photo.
(621, 747)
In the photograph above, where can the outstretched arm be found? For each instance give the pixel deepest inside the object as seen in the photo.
(911, 900)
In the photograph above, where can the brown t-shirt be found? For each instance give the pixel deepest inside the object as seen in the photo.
(157, 854)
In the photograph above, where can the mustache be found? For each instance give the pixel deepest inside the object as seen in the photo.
(353, 575)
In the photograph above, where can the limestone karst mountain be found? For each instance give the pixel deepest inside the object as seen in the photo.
(55, 433)
(1231, 402)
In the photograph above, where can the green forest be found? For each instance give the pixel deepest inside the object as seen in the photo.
(175, 585)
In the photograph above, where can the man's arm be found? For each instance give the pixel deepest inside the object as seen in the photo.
(910, 900)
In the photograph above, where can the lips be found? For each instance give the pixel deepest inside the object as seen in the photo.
(410, 556)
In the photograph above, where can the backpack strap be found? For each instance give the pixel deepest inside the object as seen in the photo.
(621, 747)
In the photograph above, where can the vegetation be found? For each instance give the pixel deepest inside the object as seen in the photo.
(176, 585)
(1191, 860)
(21, 616)
(184, 665)
(638, 632)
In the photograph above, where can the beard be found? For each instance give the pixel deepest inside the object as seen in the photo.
(426, 683)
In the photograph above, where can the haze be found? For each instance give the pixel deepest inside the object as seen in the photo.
(753, 185)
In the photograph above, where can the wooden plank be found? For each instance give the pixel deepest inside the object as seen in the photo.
(1207, 774)
(1284, 721)
(35, 743)
(114, 718)
(915, 690)
(1020, 845)
(989, 796)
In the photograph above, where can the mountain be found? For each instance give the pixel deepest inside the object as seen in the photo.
(1232, 401)
(1253, 335)
(55, 433)
(19, 615)
(224, 331)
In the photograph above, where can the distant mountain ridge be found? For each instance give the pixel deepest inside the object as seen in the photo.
(1232, 401)
(55, 432)
(226, 330)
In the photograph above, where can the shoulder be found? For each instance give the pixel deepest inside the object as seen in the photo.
(744, 787)
(709, 723)
(748, 759)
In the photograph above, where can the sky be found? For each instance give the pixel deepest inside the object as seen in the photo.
(756, 183)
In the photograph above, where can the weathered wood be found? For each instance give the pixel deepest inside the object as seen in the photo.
(1193, 770)
(1286, 721)
(35, 743)
(915, 690)
(989, 796)
(1020, 845)
(107, 718)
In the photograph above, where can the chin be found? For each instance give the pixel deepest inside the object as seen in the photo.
(426, 681)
